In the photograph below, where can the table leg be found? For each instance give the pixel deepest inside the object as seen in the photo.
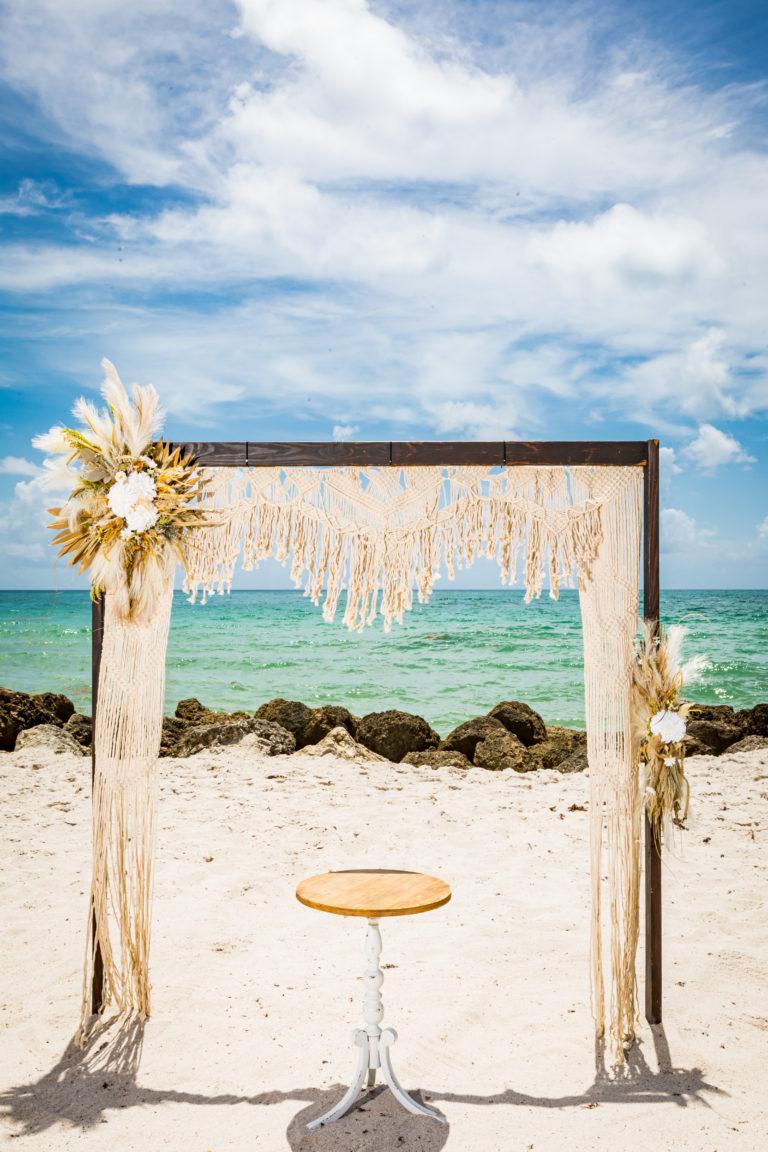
(374, 1044)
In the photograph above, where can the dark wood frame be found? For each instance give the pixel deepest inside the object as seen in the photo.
(510, 453)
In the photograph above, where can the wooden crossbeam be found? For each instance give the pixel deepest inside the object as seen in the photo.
(383, 453)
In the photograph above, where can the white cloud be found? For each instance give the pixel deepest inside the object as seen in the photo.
(624, 244)
(21, 551)
(18, 466)
(762, 529)
(712, 448)
(344, 431)
(668, 464)
(680, 532)
(475, 420)
(499, 223)
(31, 198)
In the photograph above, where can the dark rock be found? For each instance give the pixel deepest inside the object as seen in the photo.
(521, 721)
(19, 710)
(81, 727)
(437, 758)
(560, 744)
(271, 738)
(465, 738)
(394, 734)
(328, 717)
(576, 762)
(54, 702)
(173, 730)
(499, 750)
(710, 736)
(719, 712)
(754, 721)
(292, 715)
(51, 737)
(749, 744)
(196, 713)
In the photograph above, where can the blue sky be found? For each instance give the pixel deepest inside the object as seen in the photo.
(305, 219)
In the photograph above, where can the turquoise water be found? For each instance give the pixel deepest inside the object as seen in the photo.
(452, 659)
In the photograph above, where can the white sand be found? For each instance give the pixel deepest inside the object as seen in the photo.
(255, 995)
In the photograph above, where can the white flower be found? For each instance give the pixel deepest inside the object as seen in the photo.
(650, 792)
(132, 497)
(670, 726)
(141, 517)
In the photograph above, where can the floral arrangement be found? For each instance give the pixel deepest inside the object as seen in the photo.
(660, 721)
(133, 497)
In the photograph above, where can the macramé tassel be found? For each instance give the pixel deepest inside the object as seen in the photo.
(129, 716)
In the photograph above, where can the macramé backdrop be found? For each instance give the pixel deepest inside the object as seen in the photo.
(380, 536)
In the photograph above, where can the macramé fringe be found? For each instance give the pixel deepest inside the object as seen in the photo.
(129, 717)
(381, 535)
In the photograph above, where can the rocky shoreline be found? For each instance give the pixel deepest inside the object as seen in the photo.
(511, 736)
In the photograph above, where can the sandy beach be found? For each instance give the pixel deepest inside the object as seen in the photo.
(255, 995)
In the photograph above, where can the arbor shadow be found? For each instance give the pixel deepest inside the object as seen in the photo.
(634, 1083)
(84, 1084)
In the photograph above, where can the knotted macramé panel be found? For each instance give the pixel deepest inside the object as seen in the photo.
(382, 534)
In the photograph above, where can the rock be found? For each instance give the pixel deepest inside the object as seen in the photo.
(61, 706)
(465, 738)
(499, 750)
(437, 758)
(81, 727)
(326, 718)
(393, 734)
(710, 737)
(173, 730)
(749, 744)
(50, 737)
(338, 742)
(559, 745)
(19, 710)
(196, 713)
(521, 721)
(720, 712)
(292, 715)
(576, 762)
(272, 738)
(268, 738)
(754, 721)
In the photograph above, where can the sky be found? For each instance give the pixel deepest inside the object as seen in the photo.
(434, 219)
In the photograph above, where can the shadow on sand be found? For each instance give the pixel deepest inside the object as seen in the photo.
(84, 1084)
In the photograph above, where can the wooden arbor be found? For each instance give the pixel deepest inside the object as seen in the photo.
(554, 453)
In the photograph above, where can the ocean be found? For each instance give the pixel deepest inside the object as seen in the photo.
(452, 659)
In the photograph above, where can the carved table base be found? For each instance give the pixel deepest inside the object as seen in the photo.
(373, 1044)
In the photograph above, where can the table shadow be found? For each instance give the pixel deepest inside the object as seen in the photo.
(377, 1124)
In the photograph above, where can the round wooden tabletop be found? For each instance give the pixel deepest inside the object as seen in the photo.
(373, 892)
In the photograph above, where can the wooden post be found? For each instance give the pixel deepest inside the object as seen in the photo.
(97, 638)
(653, 982)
